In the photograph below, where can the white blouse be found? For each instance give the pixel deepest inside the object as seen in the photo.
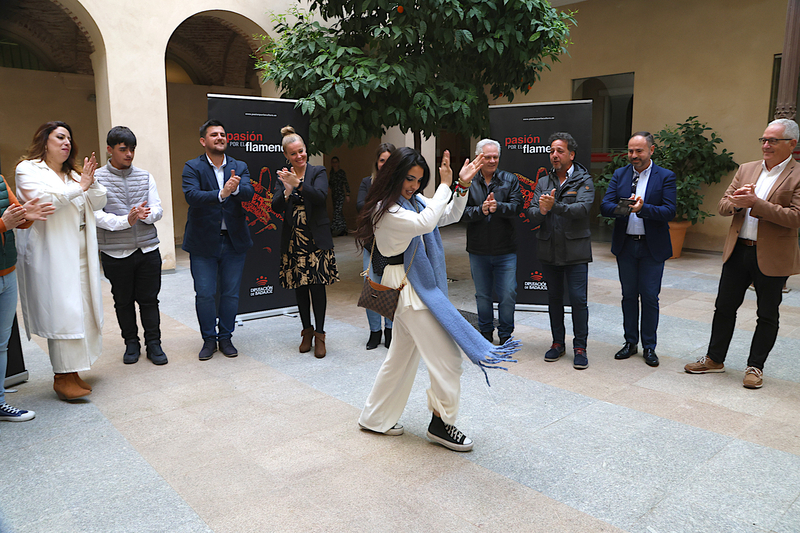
(394, 232)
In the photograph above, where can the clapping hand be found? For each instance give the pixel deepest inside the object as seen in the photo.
(289, 179)
(489, 205)
(13, 216)
(743, 197)
(138, 212)
(87, 174)
(230, 185)
(546, 202)
(36, 211)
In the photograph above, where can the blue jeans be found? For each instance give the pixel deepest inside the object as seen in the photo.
(577, 280)
(640, 277)
(374, 318)
(8, 308)
(223, 273)
(496, 273)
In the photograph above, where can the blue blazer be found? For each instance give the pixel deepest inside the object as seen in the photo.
(657, 211)
(315, 194)
(206, 212)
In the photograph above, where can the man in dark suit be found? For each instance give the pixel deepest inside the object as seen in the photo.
(217, 236)
(761, 248)
(641, 240)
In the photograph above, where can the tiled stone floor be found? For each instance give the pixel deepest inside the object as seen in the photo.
(268, 441)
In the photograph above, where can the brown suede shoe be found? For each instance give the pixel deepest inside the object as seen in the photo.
(704, 365)
(82, 383)
(305, 344)
(67, 387)
(319, 345)
(753, 378)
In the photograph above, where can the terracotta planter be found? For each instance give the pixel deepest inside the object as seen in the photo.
(677, 233)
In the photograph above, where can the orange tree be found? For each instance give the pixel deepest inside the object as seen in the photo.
(424, 65)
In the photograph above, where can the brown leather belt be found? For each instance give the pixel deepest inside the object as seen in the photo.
(747, 242)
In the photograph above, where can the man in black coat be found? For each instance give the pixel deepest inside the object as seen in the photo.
(561, 205)
(493, 203)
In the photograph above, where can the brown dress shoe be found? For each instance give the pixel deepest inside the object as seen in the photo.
(319, 345)
(753, 378)
(82, 383)
(305, 344)
(704, 365)
(67, 387)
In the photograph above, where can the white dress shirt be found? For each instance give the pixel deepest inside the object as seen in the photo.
(635, 223)
(764, 184)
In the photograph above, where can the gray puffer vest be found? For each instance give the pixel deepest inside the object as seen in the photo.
(125, 188)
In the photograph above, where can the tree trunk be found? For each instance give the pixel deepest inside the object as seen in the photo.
(418, 141)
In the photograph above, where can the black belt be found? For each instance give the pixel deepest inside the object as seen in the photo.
(636, 237)
(747, 242)
(395, 260)
(223, 232)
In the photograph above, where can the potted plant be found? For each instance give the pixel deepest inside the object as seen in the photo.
(692, 156)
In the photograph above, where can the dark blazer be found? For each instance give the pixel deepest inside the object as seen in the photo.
(206, 212)
(658, 209)
(565, 237)
(314, 193)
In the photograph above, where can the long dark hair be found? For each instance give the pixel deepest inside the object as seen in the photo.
(38, 147)
(386, 189)
(382, 148)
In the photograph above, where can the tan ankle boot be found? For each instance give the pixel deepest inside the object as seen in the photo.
(67, 387)
(82, 383)
(319, 345)
(307, 334)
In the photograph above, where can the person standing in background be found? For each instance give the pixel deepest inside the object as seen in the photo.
(373, 318)
(340, 193)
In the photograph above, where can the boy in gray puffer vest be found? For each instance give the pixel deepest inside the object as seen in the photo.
(128, 243)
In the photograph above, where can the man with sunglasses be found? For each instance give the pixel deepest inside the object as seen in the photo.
(761, 248)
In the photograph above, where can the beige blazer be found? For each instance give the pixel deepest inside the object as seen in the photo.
(778, 219)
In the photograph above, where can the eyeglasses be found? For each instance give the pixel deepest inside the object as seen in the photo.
(771, 141)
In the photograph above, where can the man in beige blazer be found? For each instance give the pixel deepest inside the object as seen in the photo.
(761, 248)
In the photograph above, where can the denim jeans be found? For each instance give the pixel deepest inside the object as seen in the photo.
(373, 318)
(577, 277)
(496, 273)
(8, 308)
(223, 273)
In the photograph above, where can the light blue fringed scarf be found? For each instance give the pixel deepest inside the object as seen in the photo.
(428, 276)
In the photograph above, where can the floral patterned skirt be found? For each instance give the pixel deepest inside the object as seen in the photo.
(304, 263)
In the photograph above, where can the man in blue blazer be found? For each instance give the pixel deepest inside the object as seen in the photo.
(642, 198)
(217, 236)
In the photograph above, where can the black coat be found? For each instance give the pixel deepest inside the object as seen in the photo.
(315, 194)
(493, 234)
(564, 234)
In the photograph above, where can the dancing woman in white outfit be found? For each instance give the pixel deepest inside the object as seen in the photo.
(398, 216)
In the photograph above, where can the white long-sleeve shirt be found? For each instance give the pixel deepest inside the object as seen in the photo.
(394, 232)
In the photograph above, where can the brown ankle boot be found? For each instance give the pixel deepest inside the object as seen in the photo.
(319, 345)
(307, 334)
(82, 383)
(67, 387)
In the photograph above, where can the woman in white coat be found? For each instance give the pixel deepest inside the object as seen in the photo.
(58, 265)
(405, 227)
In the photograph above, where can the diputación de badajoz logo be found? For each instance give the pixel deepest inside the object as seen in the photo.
(536, 283)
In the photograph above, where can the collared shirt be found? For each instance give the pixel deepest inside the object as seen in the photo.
(570, 170)
(764, 184)
(220, 175)
(635, 223)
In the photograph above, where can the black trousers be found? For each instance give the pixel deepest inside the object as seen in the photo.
(738, 272)
(136, 279)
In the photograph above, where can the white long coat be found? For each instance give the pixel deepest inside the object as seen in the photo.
(48, 262)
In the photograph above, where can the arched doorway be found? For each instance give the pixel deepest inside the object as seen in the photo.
(210, 52)
(46, 73)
